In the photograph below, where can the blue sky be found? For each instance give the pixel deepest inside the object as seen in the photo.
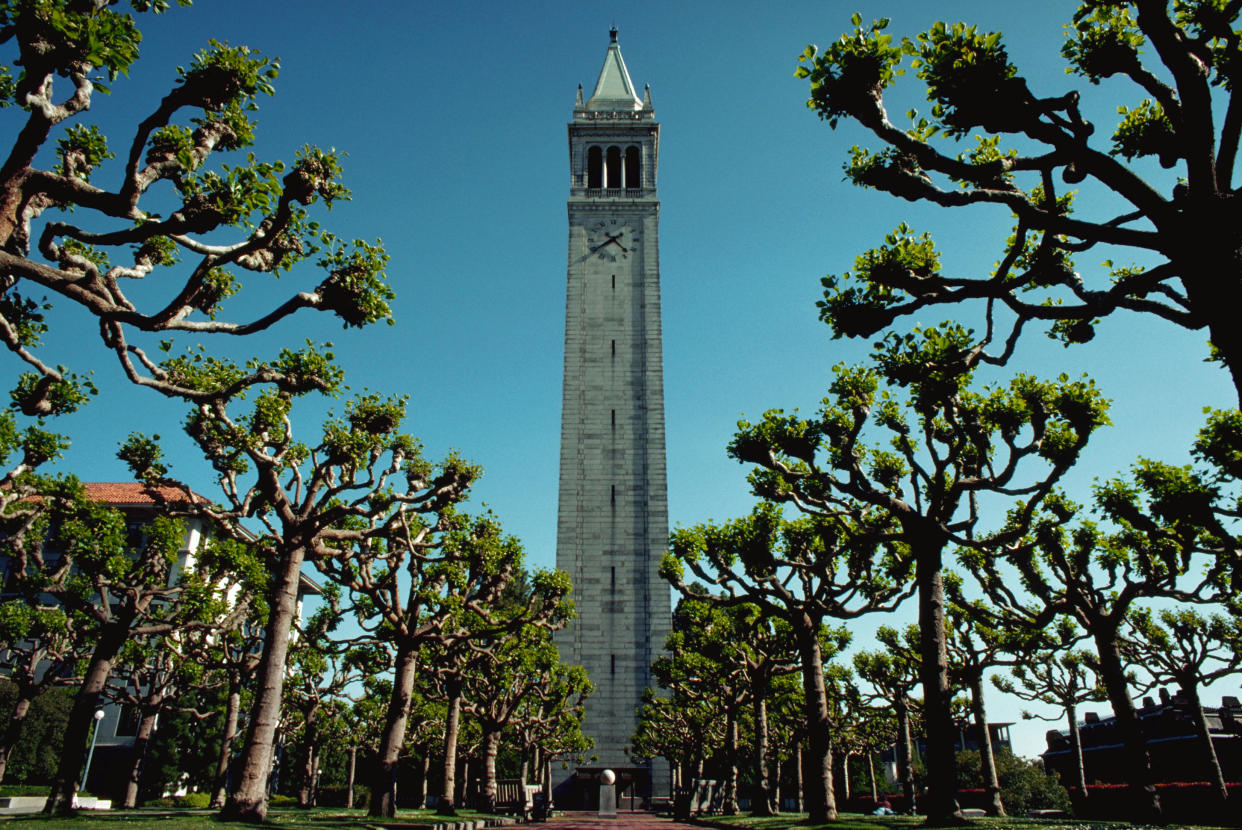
(454, 121)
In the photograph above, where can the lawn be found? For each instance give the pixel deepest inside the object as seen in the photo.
(324, 818)
(859, 821)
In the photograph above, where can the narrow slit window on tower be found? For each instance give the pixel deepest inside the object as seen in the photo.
(614, 579)
(614, 282)
(614, 348)
(595, 167)
(612, 664)
(633, 169)
(612, 493)
(612, 168)
(614, 419)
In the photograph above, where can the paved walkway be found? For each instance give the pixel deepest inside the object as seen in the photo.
(623, 821)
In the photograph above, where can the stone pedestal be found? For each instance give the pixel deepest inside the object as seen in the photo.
(607, 800)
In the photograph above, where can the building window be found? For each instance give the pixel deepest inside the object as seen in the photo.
(127, 722)
(612, 168)
(595, 167)
(612, 664)
(633, 169)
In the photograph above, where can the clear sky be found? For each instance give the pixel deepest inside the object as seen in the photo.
(454, 118)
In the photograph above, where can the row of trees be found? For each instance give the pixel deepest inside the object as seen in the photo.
(432, 586)
(910, 463)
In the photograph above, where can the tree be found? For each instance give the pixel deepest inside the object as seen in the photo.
(155, 676)
(1178, 230)
(1170, 533)
(122, 587)
(523, 669)
(893, 674)
(800, 571)
(429, 586)
(362, 482)
(41, 644)
(918, 457)
(1192, 651)
(975, 646)
(261, 203)
(1063, 680)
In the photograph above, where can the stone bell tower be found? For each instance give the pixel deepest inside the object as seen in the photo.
(612, 523)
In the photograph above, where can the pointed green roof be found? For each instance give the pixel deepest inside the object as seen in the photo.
(614, 90)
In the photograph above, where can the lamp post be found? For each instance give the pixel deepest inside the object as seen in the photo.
(99, 713)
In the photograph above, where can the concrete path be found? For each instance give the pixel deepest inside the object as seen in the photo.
(623, 821)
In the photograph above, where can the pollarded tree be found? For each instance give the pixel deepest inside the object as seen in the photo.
(41, 646)
(917, 464)
(362, 482)
(548, 724)
(672, 727)
(1182, 646)
(1171, 534)
(801, 572)
(522, 669)
(1095, 577)
(248, 216)
(1064, 680)
(893, 674)
(428, 586)
(977, 645)
(122, 588)
(153, 676)
(1177, 232)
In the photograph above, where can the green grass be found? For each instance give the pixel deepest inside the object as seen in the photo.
(322, 818)
(859, 821)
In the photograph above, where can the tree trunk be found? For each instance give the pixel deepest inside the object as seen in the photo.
(491, 746)
(351, 777)
(384, 784)
(1080, 769)
(13, 731)
(449, 791)
(82, 717)
(762, 800)
(1136, 762)
(729, 803)
(422, 785)
(941, 798)
(845, 775)
(138, 755)
(1191, 691)
(307, 789)
(875, 791)
(231, 711)
(987, 761)
(821, 801)
(249, 801)
(905, 770)
(799, 778)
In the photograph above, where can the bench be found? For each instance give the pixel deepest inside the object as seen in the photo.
(513, 797)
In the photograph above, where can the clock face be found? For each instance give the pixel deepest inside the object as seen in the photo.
(610, 240)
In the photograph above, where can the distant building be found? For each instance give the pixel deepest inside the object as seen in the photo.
(1169, 730)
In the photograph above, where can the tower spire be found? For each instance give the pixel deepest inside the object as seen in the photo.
(614, 90)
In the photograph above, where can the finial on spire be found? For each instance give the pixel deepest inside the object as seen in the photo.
(612, 35)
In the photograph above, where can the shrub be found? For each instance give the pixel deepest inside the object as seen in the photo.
(1024, 784)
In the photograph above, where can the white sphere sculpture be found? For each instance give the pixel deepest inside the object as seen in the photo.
(608, 777)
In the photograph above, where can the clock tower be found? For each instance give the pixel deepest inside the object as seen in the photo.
(612, 523)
